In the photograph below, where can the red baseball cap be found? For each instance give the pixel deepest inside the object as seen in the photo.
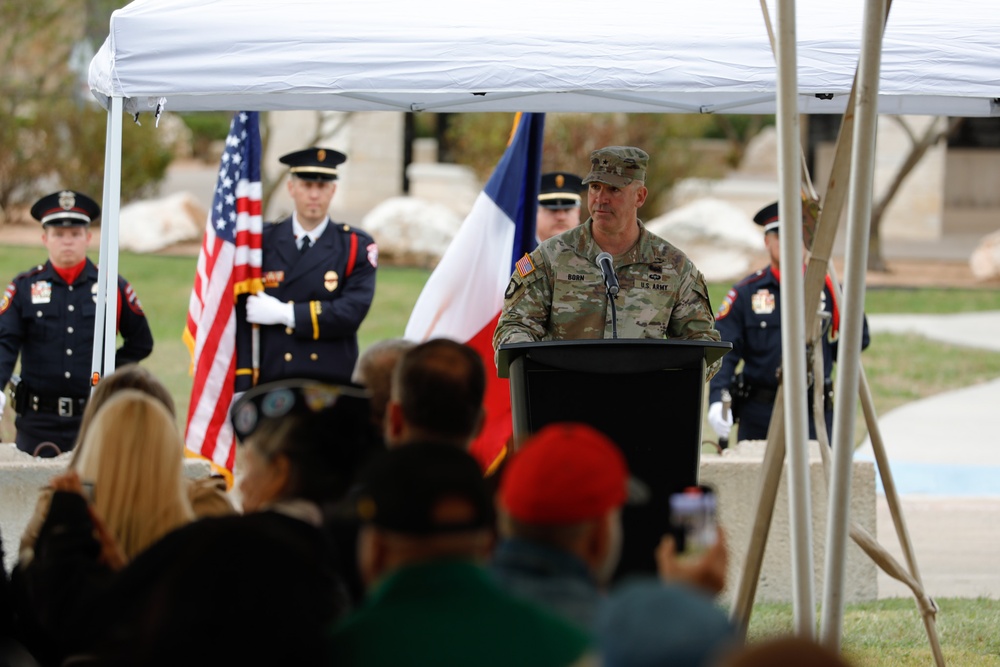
(565, 473)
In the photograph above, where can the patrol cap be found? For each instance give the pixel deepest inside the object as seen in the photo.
(314, 164)
(566, 473)
(617, 165)
(767, 218)
(560, 190)
(66, 208)
(424, 489)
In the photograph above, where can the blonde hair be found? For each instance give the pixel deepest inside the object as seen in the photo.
(133, 454)
(129, 376)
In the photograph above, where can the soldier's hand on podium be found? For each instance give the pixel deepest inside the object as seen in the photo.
(265, 309)
(720, 423)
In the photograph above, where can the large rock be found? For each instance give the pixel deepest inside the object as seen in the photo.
(154, 224)
(411, 231)
(985, 259)
(717, 236)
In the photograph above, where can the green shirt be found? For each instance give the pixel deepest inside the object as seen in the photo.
(451, 613)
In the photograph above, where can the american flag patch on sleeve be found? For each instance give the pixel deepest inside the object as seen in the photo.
(524, 266)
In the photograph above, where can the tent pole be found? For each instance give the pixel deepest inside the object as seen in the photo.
(793, 338)
(109, 230)
(851, 329)
(105, 319)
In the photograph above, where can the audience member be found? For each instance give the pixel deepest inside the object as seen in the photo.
(437, 395)
(125, 494)
(560, 503)
(207, 495)
(265, 583)
(374, 371)
(648, 623)
(426, 530)
(784, 652)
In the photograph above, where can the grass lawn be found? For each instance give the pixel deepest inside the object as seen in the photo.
(900, 368)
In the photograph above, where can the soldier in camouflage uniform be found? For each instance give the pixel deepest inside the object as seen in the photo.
(557, 292)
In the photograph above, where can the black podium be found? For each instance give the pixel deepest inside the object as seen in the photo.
(647, 395)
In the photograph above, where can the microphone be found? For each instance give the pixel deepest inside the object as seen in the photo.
(610, 279)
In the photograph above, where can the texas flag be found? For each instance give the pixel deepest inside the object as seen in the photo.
(463, 296)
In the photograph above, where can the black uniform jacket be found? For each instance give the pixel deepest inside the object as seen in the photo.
(331, 285)
(750, 318)
(51, 324)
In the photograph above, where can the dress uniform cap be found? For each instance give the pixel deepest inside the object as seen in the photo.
(424, 489)
(617, 165)
(559, 190)
(767, 218)
(314, 164)
(66, 208)
(566, 473)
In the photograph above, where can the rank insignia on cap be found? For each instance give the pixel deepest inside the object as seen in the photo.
(524, 266)
(321, 155)
(67, 200)
(560, 180)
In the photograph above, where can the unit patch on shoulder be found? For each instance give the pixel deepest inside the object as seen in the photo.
(8, 295)
(524, 265)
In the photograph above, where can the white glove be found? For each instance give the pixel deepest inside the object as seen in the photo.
(265, 309)
(3, 402)
(721, 425)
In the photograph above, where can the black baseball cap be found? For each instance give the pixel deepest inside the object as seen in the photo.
(423, 490)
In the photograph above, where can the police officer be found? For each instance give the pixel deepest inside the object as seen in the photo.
(47, 316)
(319, 281)
(750, 318)
(558, 204)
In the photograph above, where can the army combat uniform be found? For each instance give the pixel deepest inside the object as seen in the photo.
(557, 292)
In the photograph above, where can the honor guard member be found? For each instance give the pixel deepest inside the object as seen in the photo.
(47, 315)
(750, 318)
(319, 281)
(558, 204)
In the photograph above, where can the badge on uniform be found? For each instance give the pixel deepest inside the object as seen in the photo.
(762, 302)
(41, 292)
(331, 280)
(273, 278)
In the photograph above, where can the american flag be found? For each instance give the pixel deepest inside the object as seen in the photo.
(228, 266)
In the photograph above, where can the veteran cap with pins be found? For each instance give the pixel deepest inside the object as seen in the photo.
(314, 164)
(66, 208)
(560, 190)
(767, 218)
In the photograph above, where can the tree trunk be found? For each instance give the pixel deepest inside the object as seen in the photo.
(876, 261)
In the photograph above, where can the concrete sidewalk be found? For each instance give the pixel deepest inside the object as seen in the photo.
(944, 456)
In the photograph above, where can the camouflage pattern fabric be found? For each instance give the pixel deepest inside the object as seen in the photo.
(560, 295)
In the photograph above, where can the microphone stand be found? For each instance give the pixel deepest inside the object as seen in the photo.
(614, 313)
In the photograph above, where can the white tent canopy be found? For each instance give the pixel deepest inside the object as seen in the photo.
(939, 58)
